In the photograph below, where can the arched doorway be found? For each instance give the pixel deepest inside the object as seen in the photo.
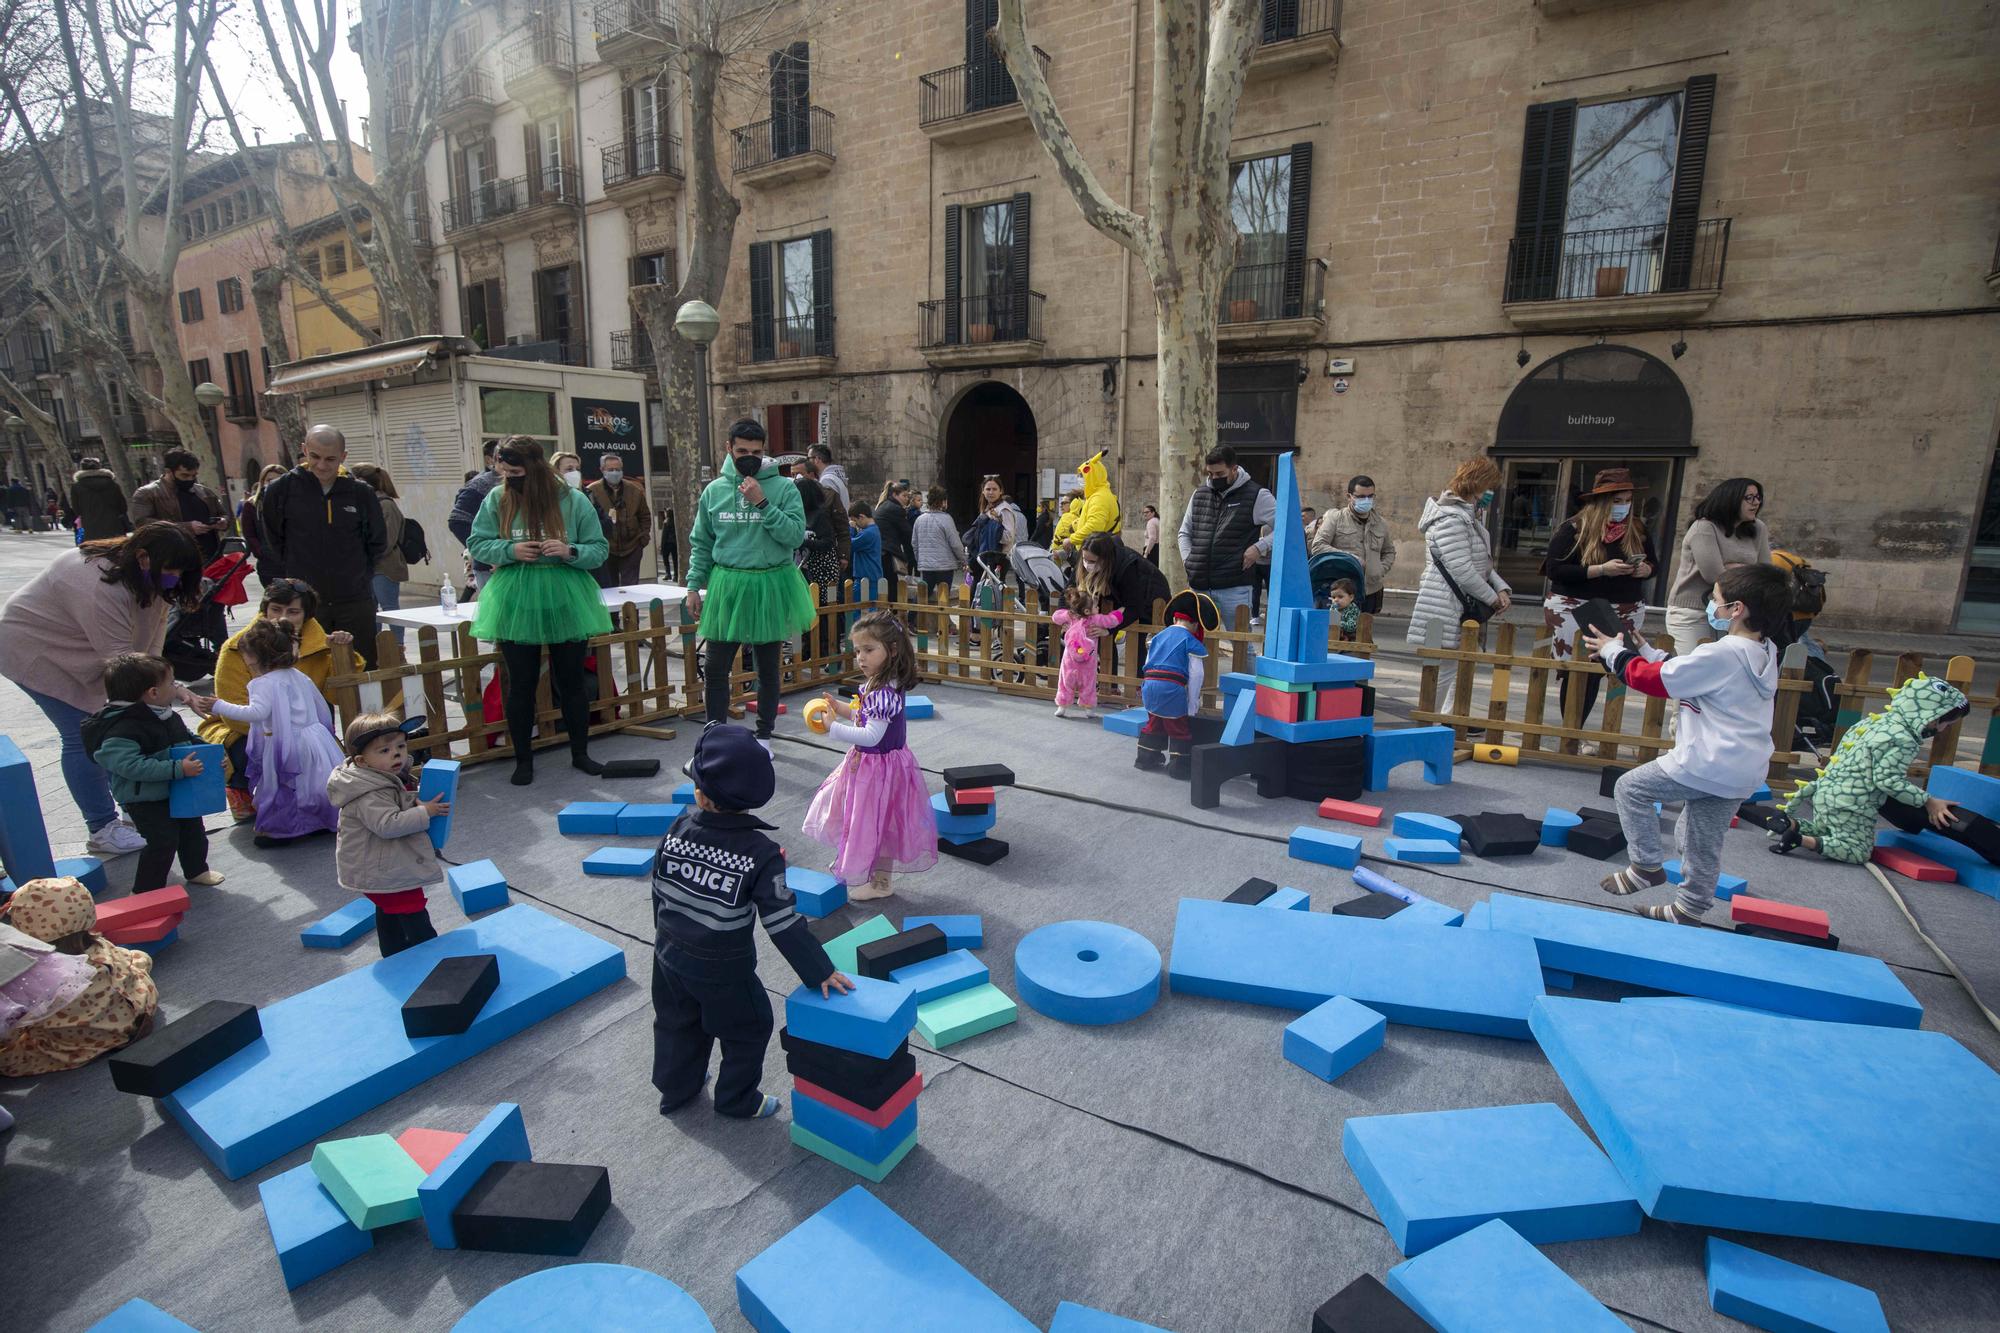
(1580, 411)
(991, 429)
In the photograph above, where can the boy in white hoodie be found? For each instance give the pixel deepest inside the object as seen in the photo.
(1722, 751)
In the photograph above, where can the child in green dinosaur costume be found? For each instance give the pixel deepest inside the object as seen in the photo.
(1868, 776)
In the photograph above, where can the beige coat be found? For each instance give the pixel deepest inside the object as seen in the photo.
(1369, 542)
(56, 632)
(383, 843)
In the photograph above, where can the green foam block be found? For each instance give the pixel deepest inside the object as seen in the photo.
(1288, 686)
(966, 1014)
(842, 948)
(372, 1179)
(872, 1172)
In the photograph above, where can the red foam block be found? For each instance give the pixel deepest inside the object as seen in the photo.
(142, 932)
(1282, 705)
(879, 1118)
(974, 796)
(1337, 703)
(751, 706)
(122, 912)
(1779, 916)
(1351, 812)
(428, 1147)
(1911, 865)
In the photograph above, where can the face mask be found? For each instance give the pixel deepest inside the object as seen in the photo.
(749, 465)
(1720, 622)
(572, 476)
(516, 483)
(1619, 513)
(612, 477)
(1219, 484)
(1364, 504)
(170, 580)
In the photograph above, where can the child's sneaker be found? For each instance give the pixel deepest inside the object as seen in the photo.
(1061, 711)
(207, 878)
(768, 1109)
(1669, 912)
(1632, 879)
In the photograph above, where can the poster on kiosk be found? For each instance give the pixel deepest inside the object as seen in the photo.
(605, 428)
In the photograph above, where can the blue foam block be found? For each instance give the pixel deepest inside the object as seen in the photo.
(1763, 792)
(1088, 972)
(24, 839)
(965, 826)
(1964, 787)
(916, 707)
(1125, 723)
(1726, 886)
(683, 794)
(960, 932)
(1301, 733)
(309, 1231)
(1330, 1039)
(1767, 1292)
(1291, 900)
(1232, 683)
(1428, 976)
(329, 1053)
(1074, 1318)
(1420, 850)
(1556, 825)
(963, 839)
(502, 1136)
(191, 798)
(1424, 912)
(815, 892)
(873, 1018)
(586, 1296)
(589, 817)
(86, 870)
(1560, 980)
(1710, 964)
(438, 777)
(1433, 1175)
(844, 1132)
(1241, 728)
(1875, 1135)
(1325, 847)
(1479, 916)
(152, 948)
(648, 821)
(339, 929)
(1388, 749)
(1337, 669)
(478, 885)
(1490, 1280)
(1416, 824)
(1975, 872)
(947, 974)
(856, 1254)
(631, 862)
(135, 1315)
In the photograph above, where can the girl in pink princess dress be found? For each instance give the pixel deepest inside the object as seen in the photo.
(1077, 682)
(874, 810)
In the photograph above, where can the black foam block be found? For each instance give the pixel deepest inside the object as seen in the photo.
(1767, 817)
(862, 1079)
(1608, 779)
(1366, 1306)
(1252, 891)
(1608, 816)
(1597, 839)
(1348, 788)
(1377, 905)
(878, 958)
(1600, 615)
(189, 1046)
(1334, 758)
(1213, 765)
(446, 1001)
(1831, 941)
(533, 1208)
(967, 776)
(631, 768)
(1367, 701)
(984, 852)
(964, 807)
(1501, 834)
(827, 928)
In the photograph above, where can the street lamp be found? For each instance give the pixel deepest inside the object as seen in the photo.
(699, 324)
(209, 394)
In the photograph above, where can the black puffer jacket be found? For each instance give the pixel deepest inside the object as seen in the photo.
(100, 504)
(1136, 583)
(332, 539)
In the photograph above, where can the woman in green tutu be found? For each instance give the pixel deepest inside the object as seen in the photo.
(542, 538)
(747, 523)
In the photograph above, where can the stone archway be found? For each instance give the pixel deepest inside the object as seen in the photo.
(989, 429)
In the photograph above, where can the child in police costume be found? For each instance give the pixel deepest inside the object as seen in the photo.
(1172, 688)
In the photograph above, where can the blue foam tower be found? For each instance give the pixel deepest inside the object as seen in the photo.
(965, 826)
(1767, 1292)
(844, 1132)
(24, 839)
(1490, 1280)
(309, 1231)
(479, 887)
(873, 1018)
(202, 794)
(439, 777)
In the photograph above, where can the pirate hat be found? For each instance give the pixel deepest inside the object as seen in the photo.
(1196, 606)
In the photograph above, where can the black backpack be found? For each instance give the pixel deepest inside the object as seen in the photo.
(412, 546)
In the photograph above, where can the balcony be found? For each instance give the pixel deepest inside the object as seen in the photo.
(967, 103)
(240, 407)
(637, 32)
(1615, 276)
(40, 360)
(982, 330)
(515, 204)
(784, 148)
(540, 66)
(1254, 311)
(1564, 8)
(779, 349)
(643, 164)
(632, 349)
(1296, 34)
(468, 101)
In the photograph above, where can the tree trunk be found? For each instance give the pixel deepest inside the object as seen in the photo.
(267, 287)
(177, 398)
(88, 389)
(1186, 396)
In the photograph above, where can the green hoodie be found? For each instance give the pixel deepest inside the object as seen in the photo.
(730, 531)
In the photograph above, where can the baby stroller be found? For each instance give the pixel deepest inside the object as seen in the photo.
(1042, 582)
(1328, 568)
(195, 637)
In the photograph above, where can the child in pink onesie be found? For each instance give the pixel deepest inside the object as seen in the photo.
(1077, 683)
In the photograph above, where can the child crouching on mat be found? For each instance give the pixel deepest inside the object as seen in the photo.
(384, 850)
(716, 875)
(1171, 691)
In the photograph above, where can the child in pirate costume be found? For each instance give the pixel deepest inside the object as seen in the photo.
(1172, 688)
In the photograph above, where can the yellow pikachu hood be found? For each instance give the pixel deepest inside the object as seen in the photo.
(1099, 512)
(1095, 477)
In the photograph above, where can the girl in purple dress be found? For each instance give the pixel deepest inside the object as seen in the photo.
(874, 810)
(291, 749)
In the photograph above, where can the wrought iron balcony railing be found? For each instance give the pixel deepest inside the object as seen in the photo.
(496, 200)
(965, 90)
(780, 137)
(1257, 293)
(632, 349)
(784, 339)
(1284, 20)
(969, 321)
(641, 157)
(1617, 261)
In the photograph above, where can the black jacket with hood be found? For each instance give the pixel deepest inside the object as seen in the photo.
(332, 539)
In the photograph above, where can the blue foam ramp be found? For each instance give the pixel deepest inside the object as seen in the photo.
(1088, 972)
(1964, 787)
(1556, 825)
(1975, 872)
(1424, 912)
(844, 1132)
(338, 1049)
(1710, 964)
(1337, 669)
(309, 1231)
(630, 862)
(1767, 1292)
(1433, 1175)
(1074, 1318)
(1302, 733)
(1417, 824)
(815, 892)
(1726, 886)
(1874, 1135)
(873, 1018)
(1289, 900)
(587, 1296)
(138, 1316)
(947, 974)
(648, 821)
(917, 707)
(1125, 723)
(1490, 1280)
(1421, 850)
(1427, 976)
(502, 1136)
(478, 885)
(1241, 728)
(1332, 1038)
(337, 930)
(1389, 749)
(960, 932)
(973, 826)
(856, 1254)
(439, 777)
(202, 794)
(1325, 847)
(589, 817)
(24, 838)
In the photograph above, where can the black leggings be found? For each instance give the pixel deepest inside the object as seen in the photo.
(524, 673)
(1591, 682)
(716, 669)
(1978, 832)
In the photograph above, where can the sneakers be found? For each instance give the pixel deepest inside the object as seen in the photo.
(1061, 711)
(877, 886)
(242, 805)
(115, 839)
(207, 878)
(1632, 879)
(1669, 912)
(767, 1109)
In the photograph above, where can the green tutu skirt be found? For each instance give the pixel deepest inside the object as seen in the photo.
(550, 603)
(757, 605)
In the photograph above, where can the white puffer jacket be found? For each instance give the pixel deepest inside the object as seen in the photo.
(1452, 533)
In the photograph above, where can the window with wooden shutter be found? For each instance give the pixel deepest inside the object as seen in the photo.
(954, 251)
(1298, 210)
(762, 342)
(1017, 269)
(1281, 20)
(531, 149)
(987, 82)
(1690, 164)
(1539, 208)
(822, 293)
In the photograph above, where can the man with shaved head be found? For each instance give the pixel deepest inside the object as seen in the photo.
(323, 526)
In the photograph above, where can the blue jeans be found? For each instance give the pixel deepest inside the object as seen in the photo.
(389, 597)
(1226, 601)
(89, 786)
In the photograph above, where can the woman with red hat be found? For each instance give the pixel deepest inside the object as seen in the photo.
(1601, 552)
